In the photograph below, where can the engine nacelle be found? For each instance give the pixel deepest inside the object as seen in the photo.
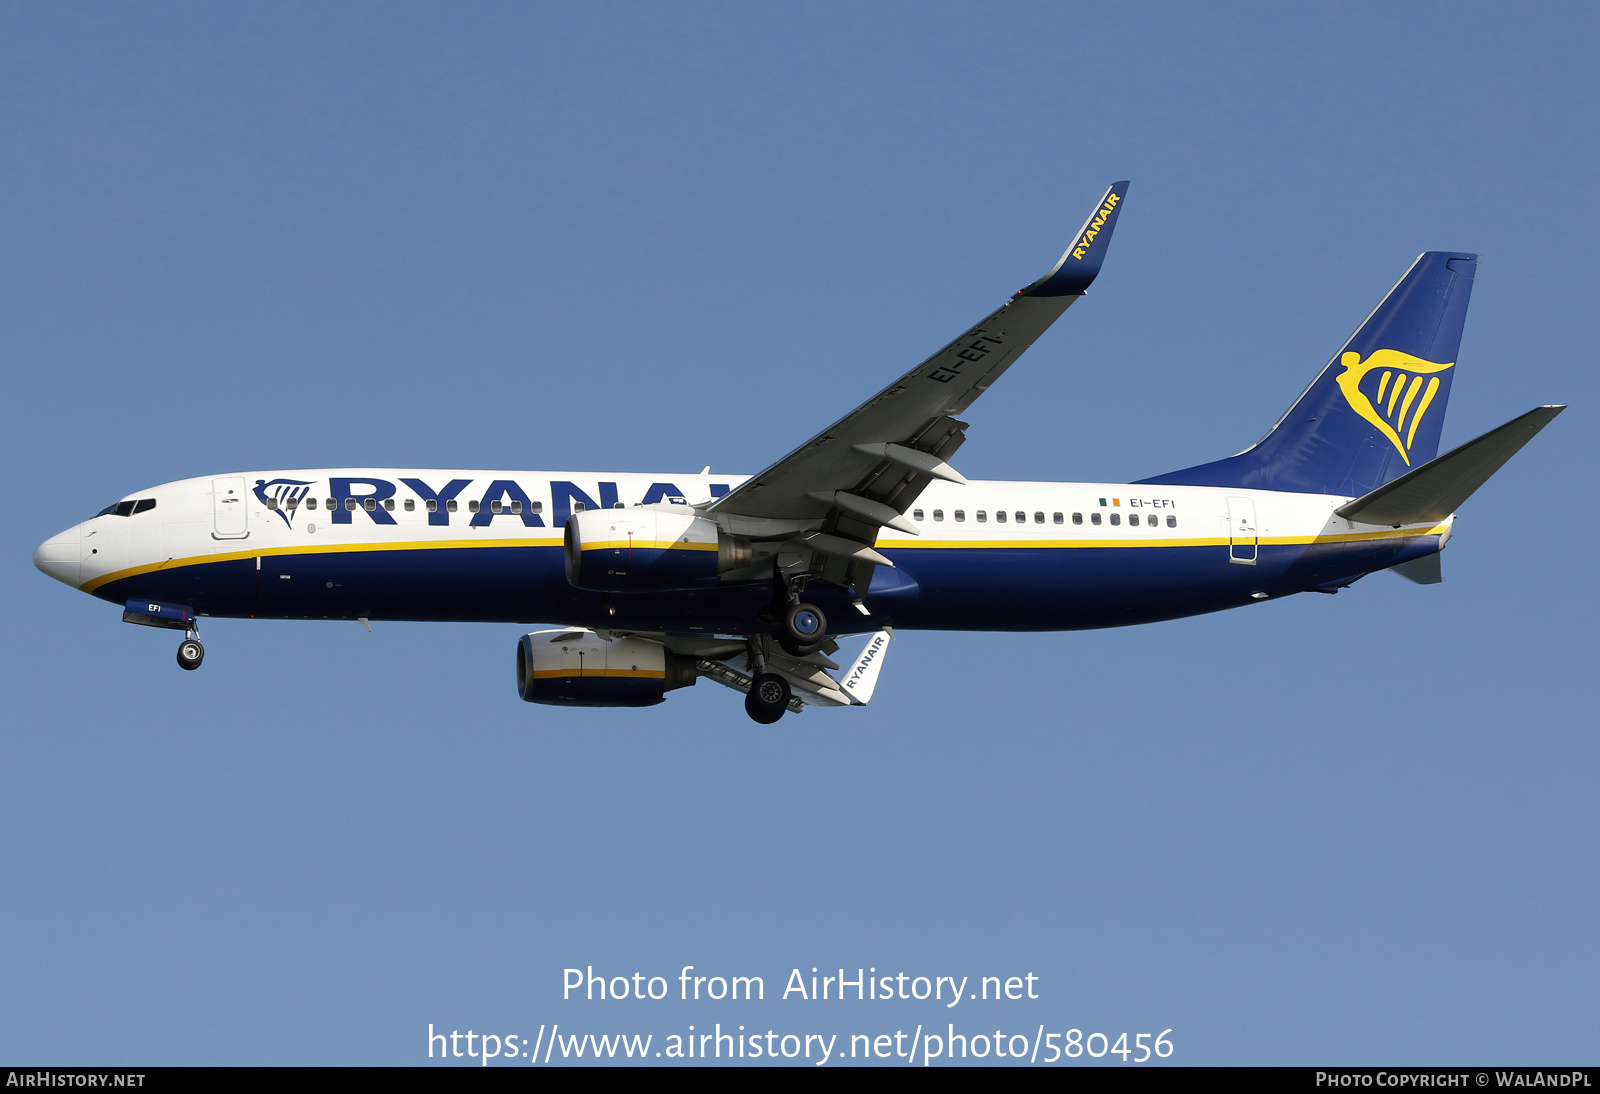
(578, 668)
(649, 548)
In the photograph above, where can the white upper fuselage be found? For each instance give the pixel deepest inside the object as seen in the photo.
(219, 517)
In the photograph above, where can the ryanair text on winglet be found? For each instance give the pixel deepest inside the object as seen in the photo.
(1080, 248)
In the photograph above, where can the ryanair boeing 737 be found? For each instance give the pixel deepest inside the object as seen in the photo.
(657, 580)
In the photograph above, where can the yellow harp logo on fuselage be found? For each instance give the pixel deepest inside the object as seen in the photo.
(1400, 394)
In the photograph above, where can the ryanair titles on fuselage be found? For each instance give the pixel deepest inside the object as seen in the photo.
(347, 495)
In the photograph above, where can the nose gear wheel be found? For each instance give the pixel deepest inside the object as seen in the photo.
(190, 654)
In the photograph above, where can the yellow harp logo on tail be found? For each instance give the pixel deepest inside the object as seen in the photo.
(1400, 393)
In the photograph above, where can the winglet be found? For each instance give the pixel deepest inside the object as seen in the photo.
(862, 678)
(1078, 267)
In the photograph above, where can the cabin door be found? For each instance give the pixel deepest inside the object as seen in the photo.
(1242, 544)
(230, 508)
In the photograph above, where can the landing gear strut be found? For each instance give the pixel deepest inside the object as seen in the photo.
(190, 651)
(768, 698)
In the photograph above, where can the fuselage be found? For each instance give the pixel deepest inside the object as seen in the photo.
(486, 546)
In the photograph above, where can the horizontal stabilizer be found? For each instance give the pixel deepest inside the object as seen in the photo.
(1423, 571)
(1436, 489)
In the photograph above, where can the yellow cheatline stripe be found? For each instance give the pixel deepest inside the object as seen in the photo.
(648, 545)
(891, 545)
(632, 674)
(312, 549)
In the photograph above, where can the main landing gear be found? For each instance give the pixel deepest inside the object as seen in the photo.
(804, 628)
(801, 629)
(768, 698)
(191, 652)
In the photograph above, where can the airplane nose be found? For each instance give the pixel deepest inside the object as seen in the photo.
(58, 556)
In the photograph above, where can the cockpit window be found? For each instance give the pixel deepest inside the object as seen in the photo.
(125, 509)
(144, 505)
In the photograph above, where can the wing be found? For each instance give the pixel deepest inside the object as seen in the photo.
(863, 472)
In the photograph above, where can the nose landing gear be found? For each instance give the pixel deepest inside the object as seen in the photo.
(190, 654)
(190, 651)
(172, 617)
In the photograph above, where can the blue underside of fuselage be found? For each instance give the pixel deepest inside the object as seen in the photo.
(1012, 589)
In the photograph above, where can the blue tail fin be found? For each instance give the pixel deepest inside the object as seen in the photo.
(1377, 409)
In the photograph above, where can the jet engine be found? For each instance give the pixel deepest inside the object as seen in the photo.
(578, 668)
(649, 548)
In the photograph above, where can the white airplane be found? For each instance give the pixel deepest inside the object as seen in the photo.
(660, 579)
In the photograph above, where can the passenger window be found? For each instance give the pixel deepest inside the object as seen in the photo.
(1077, 518)
(331, 504)
(1116, 518)
(472, 507)
(1060, 519)
(272, 503)
(619, 505)
(1038, 518)
(311, 503)
(1022, 518)
(370, 505)
(433, 505)
(961, 514)
(294, 503)
(1094, 518)
(536, 507)
(916, 514)
(350, 505)
(577, 507)
(983, 516)
(1172, 522)
(388, 503)
(516, 507)
(1133, 520)
(449, 506)
(495, 506)
(1000, 516)
(144, 505)
(938, 514)
(411, 505)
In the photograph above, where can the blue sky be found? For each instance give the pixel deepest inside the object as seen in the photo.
(1352, 829)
